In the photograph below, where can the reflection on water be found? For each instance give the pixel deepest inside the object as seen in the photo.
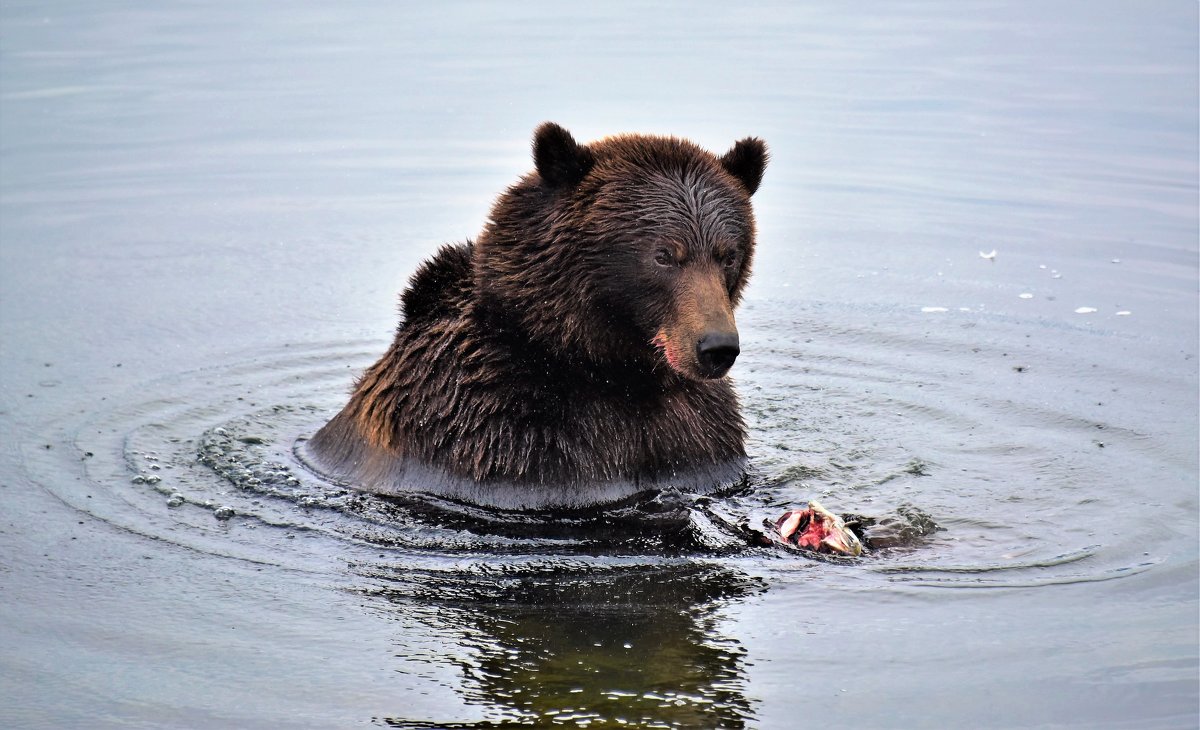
(639, 645)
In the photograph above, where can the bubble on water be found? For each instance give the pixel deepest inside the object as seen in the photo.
(175, 500)
(1085, 310)
(1025, 295)
(223, 512)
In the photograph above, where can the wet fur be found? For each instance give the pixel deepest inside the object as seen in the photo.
(529, 368)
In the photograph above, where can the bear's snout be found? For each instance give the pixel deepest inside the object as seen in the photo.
(715, 353)
(700, 338)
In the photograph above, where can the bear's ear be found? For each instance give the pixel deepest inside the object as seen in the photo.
(746, 161)
(559, 159)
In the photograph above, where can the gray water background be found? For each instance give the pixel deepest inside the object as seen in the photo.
(206, 213)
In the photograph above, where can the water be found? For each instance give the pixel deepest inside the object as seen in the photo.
(207, 210)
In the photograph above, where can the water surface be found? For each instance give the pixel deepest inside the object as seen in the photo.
(206, 213)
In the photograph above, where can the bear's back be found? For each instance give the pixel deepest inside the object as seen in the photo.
(440, 287)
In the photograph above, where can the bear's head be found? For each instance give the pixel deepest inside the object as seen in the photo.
(631, 251)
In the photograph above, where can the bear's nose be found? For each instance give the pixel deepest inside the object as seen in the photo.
(716, 352)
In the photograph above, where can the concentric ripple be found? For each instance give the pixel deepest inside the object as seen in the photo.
(979, 468)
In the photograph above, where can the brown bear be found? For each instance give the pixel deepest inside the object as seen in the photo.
(576, 352)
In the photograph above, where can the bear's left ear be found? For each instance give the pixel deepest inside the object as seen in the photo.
(746, 161)
(559, 159)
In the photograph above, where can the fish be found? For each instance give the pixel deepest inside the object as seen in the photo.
(816, 528)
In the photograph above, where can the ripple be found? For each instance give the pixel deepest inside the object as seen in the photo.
(913, 431)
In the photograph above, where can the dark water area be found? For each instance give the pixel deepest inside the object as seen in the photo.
(208, 209)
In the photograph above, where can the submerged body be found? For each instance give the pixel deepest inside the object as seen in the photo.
(576, 353)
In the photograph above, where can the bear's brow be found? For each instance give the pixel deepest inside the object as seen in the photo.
(691, 206)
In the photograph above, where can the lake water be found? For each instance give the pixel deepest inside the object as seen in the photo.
(207, 210)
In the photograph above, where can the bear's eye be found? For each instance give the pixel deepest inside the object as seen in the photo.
(729, 260)
(663, 257)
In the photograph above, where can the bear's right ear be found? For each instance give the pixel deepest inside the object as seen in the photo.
(746, 161)
(559, 159)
